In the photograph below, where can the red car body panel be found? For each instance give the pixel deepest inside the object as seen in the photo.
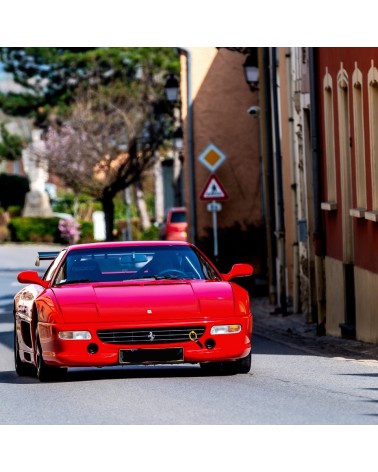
(148, 305)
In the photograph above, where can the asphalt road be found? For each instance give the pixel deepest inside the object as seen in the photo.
(178, 417)
(286, 386)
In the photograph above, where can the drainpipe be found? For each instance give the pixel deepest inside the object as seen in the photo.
(267, 157)
(318, 236)
(192, 186)
(280, 222)
(294, 183)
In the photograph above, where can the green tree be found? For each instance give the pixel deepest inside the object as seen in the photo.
(103, 109)
(51, 76)
(10, 144)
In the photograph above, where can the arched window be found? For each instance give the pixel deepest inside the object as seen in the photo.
(345, 162)
(331, 203)
(359, 144)
(373, 127)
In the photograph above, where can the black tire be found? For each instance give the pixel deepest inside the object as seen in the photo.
(22, 368)
(244, 365)
(46, 373)
(241, 366)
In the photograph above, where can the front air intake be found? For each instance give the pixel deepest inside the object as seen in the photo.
(149, 335)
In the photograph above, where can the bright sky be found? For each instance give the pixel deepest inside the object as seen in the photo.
(179, 23)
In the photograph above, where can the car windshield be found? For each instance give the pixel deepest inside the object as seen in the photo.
(134, 263)
(178, 217)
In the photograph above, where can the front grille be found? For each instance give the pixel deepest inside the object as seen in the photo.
(150, 335)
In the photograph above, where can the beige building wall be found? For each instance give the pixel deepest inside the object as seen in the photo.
(335, 300)
(221, 98)
(366, 292)
(366, 289)
(287, 168)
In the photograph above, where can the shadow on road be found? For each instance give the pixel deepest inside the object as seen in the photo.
(373, 374)
(114, 373)
(7, 339)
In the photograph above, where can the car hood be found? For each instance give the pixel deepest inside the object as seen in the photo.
(144, 301)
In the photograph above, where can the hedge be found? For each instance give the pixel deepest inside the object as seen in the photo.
(32, 229)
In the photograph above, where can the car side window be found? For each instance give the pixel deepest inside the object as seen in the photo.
(207, 269)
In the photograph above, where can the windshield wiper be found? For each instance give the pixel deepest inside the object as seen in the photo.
(158, 277)
(168, 277)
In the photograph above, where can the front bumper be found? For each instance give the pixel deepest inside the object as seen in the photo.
(96, 353)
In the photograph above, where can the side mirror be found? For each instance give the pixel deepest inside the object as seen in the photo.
(239, 270)
(31, 277)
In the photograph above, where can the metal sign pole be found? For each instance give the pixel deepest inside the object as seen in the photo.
(214, 207)
(215, 229)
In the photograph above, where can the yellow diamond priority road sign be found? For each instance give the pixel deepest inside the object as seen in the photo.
(212, 157)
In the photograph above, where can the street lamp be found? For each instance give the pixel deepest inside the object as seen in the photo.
(251, 69)
(171, 88)
(177, 138)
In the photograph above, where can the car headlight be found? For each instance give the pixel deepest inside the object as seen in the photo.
(74, 335)
(225, 329)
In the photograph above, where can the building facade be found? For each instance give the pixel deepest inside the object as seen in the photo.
(314, 192)
(328, 135)
(348, 92)
(221, 139)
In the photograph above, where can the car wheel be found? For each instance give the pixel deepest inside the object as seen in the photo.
(22, 368)
(241, 366)
(45, 372)
(244, 365)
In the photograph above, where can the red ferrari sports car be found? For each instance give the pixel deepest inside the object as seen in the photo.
(121, 303)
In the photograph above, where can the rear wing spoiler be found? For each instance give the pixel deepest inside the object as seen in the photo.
(46, 256)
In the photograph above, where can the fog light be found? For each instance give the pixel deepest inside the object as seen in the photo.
(210, 343)
(92, 348)
(74, 335)
(225, 329)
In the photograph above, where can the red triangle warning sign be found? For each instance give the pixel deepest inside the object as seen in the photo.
(213, 190)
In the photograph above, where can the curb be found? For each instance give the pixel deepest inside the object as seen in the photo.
(293, 331)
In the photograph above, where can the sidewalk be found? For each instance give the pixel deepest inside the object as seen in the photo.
(294, 331)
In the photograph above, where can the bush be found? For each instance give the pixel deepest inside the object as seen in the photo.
(31, 229)
(86, 230)
(69, 230)
(14, 210)
(151, 234)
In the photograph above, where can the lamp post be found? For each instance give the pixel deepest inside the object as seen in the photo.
(251, 69)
